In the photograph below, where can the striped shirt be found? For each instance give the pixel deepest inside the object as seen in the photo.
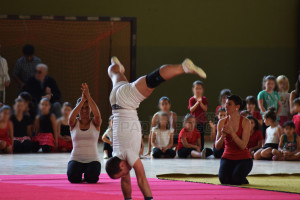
(24, 69)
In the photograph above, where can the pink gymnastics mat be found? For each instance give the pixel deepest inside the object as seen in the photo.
(56, 186)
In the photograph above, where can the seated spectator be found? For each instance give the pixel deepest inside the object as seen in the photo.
(6, 130)
(4, 77)
(256, 137)
(245, 113)
(25, 66)
(273, 134)
(295, 94)
(108, 139)
(22, 128)
(162, 138)
(63, 129)
(164, 105)
(296, 118)
(43, 86)
(222, 98)
(251, 103)
(189, 141)
(289, 145)
(283, 91)
(29, 107)
(45, 129)
(213, 126)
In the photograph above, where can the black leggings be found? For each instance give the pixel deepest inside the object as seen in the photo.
(23, 147)
(234, 172)
(157, 153)
(109, 149)
(90, 170)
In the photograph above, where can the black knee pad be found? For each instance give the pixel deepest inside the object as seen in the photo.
(154, 79)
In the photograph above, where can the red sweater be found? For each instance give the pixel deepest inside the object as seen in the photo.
(198, 113)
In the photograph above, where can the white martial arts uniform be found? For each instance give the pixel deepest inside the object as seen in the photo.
(127, 133)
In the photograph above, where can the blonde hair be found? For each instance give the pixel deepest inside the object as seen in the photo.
(282, 78)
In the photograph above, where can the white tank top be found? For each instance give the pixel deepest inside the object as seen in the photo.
(272, 135)
(85, 144)
(162, 137)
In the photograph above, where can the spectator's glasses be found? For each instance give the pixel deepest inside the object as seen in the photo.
(38, 71)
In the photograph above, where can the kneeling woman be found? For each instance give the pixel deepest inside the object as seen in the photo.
(234, 131)
(85, 133)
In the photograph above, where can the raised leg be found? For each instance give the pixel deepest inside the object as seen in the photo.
(116, 71)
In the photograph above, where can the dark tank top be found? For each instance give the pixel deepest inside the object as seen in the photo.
(45, 124)
(65, 130)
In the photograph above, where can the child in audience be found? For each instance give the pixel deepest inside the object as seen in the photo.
(164, 105)
(296, 117)
(295, 94)
(63, 129)
(213, 126)
(22, 124)
(198, 106)
(273, 134)
(222, 99)
(45, 128)
(283, 90)
(162, 137)
(189, 141)
(245, 113)
(289, 145)
(107, 139)
(256, 137)
(251, 104)
(269, 97)
(6, 130)
(30, 108)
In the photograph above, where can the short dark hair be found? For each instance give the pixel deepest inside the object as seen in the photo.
(28, 50)
(198, 83)
(18, 100)
(188, 116)
(164, 98)
(243, 112)
(112, 166)
(5, 107)
(237, 100)
(251, 100)
(221, 109)
(270, 114)
(224, 92)
(26, 96)
(267, 78)
(256, 127)
(296, 101)
(289, 124)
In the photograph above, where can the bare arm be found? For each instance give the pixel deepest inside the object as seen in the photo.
(141, 178)
(174, 122)
(203, 106)
(258, 146)
(280, 146)
(95, 110)
(58, 124)
(126, 186)
(74, 114)
(194, 107)
(261, 105)
(53, 122)
(170, 145)
(220, 135)
(104, 139)
(153, 140)
(279, 108)
(187, 145)
(213, 131)
(29, 131)
(37, 125)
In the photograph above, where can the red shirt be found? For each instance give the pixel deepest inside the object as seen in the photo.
(191, 137)
(199, 113)
(257, 115)
(232, 150)
(296, 120)
(255, 138)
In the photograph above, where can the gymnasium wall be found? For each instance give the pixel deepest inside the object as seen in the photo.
(236, 42)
